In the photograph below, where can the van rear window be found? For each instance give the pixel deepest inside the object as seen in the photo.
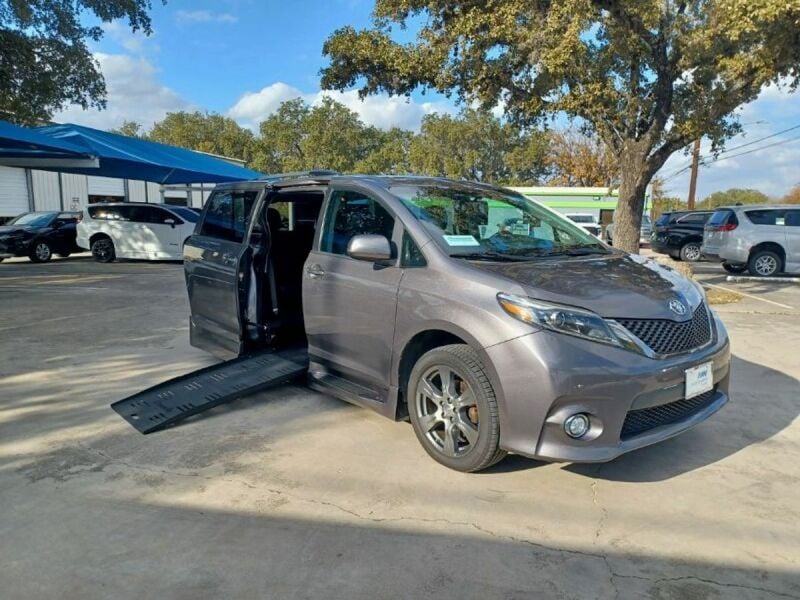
(723, 217)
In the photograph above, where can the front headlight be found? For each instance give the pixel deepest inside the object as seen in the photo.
(562, 319)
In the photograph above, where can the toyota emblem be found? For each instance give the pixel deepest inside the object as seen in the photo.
(678, 307)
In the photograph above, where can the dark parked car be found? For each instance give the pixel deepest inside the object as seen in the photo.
(680, 234)
(39, 235)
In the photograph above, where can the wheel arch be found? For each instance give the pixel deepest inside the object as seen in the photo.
(771, 246)
(99, 236)
(425, 340)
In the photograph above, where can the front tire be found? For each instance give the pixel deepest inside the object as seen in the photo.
(453, 409)
(41, 252)
(690, 252)
(764, 263)
(103, 250)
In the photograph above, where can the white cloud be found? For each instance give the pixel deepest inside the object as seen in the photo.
(184, 17)
(134, 94)
(382, 111)
(772, 170)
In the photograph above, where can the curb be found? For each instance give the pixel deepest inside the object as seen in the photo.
(735, 278)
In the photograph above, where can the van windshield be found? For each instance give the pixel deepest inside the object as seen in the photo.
(492, 225)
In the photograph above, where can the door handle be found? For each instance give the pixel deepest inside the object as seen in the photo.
(315, 271)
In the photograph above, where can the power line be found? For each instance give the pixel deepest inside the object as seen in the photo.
(720, 159)
(731, 149)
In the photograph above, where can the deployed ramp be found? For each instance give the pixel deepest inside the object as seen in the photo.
(174, 400)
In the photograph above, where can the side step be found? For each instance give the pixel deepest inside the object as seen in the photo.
(167, 403)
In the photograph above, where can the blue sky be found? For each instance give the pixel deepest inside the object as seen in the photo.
(242, 58)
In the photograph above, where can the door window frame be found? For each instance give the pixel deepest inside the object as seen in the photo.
(397, 228)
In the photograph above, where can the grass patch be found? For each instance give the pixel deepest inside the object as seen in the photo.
(718, 296)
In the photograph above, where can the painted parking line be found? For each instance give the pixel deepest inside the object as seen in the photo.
(732, 291)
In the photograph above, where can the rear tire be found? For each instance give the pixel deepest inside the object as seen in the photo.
(41, 252)
(453, 409)
(734, 268)
(690, 252)
(103, 250)
(764, 263)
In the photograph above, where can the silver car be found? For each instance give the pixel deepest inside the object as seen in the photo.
(764, 240)
(491, 322)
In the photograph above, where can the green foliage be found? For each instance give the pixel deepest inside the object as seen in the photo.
(131, 129)
(733, 197)
(205, 132)
(45, 63)
(474, 145)
(624, 69)
(477, 146)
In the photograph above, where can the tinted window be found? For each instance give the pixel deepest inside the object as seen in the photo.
(152, 214)
(110, 213)
(33, 219)
(723, 217)
(793, 218)
(663, 219)
(697, 218)
(186, 213)
(766, 217)
(350, 214)
(228, 215)
(411, 255)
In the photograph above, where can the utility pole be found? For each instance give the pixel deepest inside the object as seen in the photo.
(693, 178)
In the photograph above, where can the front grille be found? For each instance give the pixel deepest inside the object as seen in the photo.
(663, 336)
(643, 419)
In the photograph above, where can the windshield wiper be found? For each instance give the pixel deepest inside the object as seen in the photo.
(490, 255)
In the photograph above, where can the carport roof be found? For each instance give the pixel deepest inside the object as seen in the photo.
(76, 149)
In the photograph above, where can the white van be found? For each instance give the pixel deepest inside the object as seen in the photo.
(135, 230)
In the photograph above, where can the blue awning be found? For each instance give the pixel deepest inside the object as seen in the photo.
(96, 152)
(20, 146)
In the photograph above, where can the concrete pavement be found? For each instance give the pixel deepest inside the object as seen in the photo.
(291, 494)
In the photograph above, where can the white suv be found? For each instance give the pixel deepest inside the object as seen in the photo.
(764, 240)
(135, 230)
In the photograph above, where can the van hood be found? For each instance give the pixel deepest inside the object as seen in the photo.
(614, 286)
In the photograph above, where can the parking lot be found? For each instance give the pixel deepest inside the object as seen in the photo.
(290, 493)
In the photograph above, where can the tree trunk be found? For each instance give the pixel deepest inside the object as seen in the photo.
(630, 205)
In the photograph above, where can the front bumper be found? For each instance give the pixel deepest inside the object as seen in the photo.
(14, 247)
(545, 377)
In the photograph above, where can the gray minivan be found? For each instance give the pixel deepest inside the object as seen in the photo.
(490, 321)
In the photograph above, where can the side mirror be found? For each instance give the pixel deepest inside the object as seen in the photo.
(372, 248)
(170, 222)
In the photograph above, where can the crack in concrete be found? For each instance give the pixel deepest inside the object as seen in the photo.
(613, 575)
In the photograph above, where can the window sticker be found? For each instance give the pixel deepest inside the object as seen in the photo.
(461, 240)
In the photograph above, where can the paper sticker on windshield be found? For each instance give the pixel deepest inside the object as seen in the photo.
(461, 240)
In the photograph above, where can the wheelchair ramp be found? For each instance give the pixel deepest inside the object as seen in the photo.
(177, 399)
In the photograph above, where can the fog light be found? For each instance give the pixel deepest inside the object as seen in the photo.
(576, 426)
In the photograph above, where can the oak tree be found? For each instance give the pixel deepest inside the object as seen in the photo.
(648, 77)
(45, 63)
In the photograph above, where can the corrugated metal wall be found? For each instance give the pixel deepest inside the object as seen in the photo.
(75, 191)
(46, 190)
(14, 197)
(106, 186)
(137, 191)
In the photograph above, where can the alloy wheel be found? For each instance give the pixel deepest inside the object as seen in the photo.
(447, 411)
(42, 251)
(766, 265)
(692, 252)
(102, 250)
